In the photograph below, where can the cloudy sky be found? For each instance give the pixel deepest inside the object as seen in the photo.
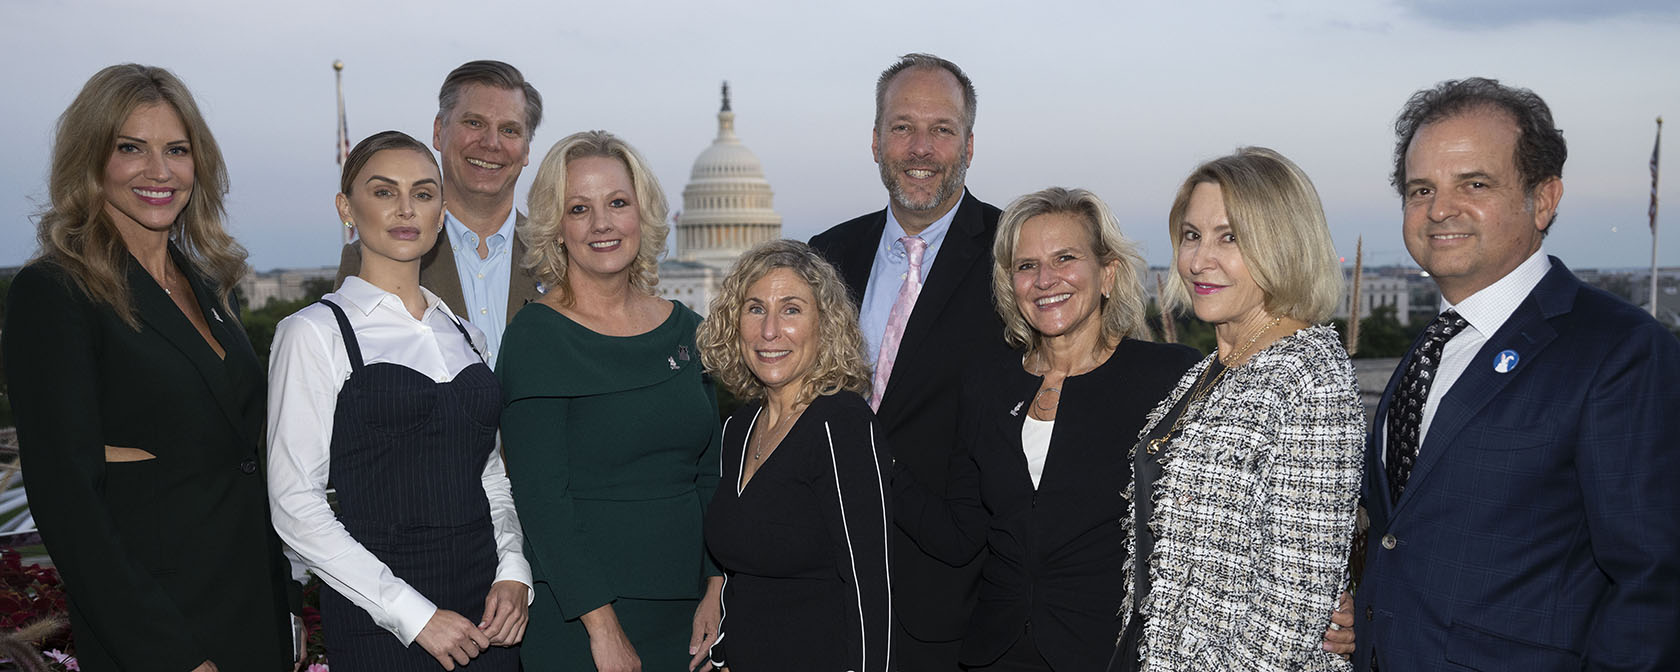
(1123, 98)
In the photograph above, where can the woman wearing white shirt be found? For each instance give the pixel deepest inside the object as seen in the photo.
(380, 390)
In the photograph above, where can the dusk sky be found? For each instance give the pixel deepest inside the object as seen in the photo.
(1122, 98)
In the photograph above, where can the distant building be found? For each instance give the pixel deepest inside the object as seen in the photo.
(1376, 290)
(727, 208)
(1668, 304)
(286, 284)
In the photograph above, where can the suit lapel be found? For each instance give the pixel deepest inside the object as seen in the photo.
(962, 246)
(1375, 439)
(1528, 331)
(859, 260)
(439, 274)
(522, 288)
(159, 312)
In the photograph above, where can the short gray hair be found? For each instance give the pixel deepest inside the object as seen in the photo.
(919, 60)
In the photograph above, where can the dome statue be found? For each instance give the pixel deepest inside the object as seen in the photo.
(727, 205)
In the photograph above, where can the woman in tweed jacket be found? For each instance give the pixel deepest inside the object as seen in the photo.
(1245, 478)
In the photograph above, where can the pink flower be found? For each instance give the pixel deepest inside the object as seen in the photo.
(62, 658)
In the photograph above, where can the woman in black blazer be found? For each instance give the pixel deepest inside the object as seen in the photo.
(139, 401)
(1043, 433)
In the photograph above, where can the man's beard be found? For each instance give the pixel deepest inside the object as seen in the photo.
(891, 172)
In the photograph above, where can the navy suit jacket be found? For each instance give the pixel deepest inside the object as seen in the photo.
(1540, 529)
(953, 328)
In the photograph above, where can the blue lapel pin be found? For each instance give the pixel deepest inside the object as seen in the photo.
(1505, 361)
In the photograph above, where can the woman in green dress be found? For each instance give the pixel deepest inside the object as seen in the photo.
(610, 431)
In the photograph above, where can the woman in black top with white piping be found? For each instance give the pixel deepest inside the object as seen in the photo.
(799, 523)
(1043, 433)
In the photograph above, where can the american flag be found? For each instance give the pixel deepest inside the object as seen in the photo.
(343, 149)
(343, 127)
(1656, 151)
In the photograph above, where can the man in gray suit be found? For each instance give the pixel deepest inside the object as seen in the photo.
(486, 116)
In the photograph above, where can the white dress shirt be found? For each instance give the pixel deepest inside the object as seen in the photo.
(1486, 311)
(887, 274)
(307, 368)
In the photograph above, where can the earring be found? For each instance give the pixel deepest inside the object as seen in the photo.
(348, 225)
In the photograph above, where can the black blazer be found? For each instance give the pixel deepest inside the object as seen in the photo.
(1058, 552)
(169, 561)
(953, 327)
(439, 273)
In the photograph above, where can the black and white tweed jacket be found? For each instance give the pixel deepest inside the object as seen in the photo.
(1254, 513)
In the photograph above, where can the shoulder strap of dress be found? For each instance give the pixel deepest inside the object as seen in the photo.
(349, 335)
(457, 322)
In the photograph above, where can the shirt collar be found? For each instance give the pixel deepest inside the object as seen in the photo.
(365, 297)
(933, 234)
(458, 232)
(1488, 308)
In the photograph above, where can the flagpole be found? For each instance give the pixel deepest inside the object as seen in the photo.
(343, 150)
(1655, 153)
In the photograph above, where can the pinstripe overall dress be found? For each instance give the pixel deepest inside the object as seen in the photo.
(407, 458)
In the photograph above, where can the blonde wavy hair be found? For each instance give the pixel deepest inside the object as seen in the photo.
(840, 361)
(1280, 228)
(545, 256)
(76, 233)
(1122, 311)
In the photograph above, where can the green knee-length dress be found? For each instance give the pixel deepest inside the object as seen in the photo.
(611, 445)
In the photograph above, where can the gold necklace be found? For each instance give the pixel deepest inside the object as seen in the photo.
(1204, 385)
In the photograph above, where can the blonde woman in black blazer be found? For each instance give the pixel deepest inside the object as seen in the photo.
(139, 401)
(1041, 461)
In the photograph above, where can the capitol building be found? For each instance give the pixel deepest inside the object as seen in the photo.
(726, 209)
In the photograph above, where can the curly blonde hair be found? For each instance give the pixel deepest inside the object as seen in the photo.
(1123, 309)
(840, 361)
(76, 233)
(545, 256)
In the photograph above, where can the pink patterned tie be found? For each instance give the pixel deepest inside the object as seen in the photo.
(896, 319)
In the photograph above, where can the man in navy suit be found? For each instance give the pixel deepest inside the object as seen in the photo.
(1517, 475)
(923, 138)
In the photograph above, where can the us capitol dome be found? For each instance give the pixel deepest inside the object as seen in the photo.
(727, 208)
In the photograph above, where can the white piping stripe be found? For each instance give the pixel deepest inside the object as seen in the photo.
(846, 529)
(881, 485)
(723, 610)
(723, 615)
(741, 469)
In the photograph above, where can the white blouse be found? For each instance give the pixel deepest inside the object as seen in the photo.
(1035, 442)
(307, 367)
